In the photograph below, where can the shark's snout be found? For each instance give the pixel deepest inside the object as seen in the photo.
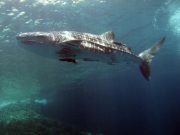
(36, 37)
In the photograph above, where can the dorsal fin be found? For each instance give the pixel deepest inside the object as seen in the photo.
(109, 36)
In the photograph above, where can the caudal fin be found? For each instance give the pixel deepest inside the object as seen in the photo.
(147, 57)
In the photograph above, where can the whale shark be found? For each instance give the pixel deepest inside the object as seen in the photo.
(72, 47)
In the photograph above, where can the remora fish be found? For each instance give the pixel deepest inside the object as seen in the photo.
(73, 46)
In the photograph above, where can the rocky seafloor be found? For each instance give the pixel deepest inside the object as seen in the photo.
(27, 119)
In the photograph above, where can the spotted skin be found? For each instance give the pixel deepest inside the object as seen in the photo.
(71, 46)
(94, 40)
(81, 45)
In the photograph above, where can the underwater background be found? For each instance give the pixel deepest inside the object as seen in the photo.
(39, 95)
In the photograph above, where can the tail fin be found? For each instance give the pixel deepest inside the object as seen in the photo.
(147, 57)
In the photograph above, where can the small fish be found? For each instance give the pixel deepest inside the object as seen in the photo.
(72, 46)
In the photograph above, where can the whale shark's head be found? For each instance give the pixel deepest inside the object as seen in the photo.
(38, 43)
(36, 37)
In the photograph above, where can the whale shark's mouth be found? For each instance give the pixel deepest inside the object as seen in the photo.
(35, 37)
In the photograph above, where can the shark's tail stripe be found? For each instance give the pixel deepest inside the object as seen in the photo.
(147, 57)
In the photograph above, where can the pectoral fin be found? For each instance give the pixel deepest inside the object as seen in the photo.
(71, 60)
(67, 54)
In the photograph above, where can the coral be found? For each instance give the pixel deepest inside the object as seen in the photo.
(26, 119)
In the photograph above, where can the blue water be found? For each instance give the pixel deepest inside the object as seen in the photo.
(113, 100)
